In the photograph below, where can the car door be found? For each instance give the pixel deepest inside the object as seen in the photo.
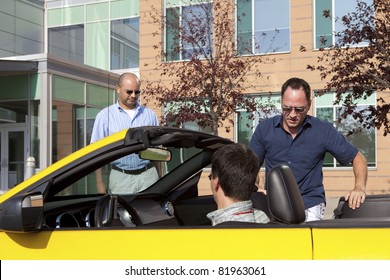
(187, 243)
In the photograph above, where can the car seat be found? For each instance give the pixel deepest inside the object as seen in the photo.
(374, 206)
(284, 198)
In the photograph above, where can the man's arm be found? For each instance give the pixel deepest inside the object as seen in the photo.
(356, 196)
(260, 183)
(100, 185)
(256, 145)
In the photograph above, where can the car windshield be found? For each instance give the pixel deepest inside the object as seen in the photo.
(88, 185)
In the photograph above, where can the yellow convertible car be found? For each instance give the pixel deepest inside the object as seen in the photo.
(58, 214)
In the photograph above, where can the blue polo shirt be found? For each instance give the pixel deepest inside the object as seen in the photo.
(304, 154)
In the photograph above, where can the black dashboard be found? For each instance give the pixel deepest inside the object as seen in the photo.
(109, 211)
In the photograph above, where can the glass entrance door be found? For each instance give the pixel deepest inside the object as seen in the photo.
(13, 151)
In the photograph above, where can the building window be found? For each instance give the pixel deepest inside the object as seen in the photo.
(364, 138)
(263, 26)
(189, 30)
(171, 119)
(67, 42)
(246, 122)
(125, 43)
(38, 2)
(75, 106)
(326, 28)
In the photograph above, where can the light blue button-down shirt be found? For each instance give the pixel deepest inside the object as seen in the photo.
(114, 119)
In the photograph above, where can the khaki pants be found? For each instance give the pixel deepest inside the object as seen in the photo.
(122, 183)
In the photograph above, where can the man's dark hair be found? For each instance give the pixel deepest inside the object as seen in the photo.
(236, 167)
(297, 83)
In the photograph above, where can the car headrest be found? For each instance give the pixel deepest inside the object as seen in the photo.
(284, 198)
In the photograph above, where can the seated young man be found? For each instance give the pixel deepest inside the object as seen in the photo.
(234, 170)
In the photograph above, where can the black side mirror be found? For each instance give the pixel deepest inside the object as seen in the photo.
(22, 213)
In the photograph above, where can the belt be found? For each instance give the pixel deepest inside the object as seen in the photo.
(135, 171)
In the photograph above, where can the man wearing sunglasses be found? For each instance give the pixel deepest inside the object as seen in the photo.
(301, 141)
(129, 174)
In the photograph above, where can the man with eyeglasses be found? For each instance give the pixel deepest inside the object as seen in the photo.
(301, 141)
(129, 174)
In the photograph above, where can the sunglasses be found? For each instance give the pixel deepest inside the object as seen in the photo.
(131, 91)
(128, 91)
(298, 110)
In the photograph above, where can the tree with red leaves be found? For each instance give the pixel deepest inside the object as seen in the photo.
(202, 76)
(359, 63)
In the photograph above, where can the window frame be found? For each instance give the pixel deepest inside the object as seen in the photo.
(335, 109)
(73, 56)
(124, 46)
(277, 95)
(170, 41)
(252, 50)
(320, 21)
(274, 100)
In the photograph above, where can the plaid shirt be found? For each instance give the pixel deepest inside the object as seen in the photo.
(242, 211)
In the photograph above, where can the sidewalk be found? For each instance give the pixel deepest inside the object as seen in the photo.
(331, 204)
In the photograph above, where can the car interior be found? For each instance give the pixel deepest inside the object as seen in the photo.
(68, 199)
(182, 207)
(173, 201)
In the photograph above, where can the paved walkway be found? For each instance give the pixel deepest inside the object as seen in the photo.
(331, 204)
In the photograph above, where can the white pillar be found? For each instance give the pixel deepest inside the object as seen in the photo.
(30, 168)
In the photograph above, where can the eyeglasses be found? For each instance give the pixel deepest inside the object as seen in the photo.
(131, 91)
(128, 91)
(298, 110)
